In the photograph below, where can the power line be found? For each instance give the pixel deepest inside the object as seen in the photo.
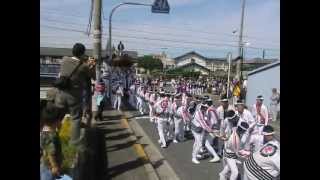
(166, 40)
(186, 29)
(140, 31)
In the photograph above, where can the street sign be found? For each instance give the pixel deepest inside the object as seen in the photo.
(160, 6)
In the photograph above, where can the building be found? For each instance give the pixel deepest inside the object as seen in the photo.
(196, 62)
(51, 58)
(261, 81)
(216, 66)
(167, 62)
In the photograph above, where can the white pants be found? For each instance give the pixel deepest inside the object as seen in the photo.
(140, 104)
(197, 143)
(235, 99)
(162, 126)
(207, 138)
(151, 113)
(170, 129)
(117, 102)
(258, 129)
(230, 165)
(178, 128)
(274, 111)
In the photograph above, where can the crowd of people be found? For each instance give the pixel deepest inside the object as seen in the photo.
(231, 132)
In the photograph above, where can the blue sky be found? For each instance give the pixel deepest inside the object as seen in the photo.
(204, 26)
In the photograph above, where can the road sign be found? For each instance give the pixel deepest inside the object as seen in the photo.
(160, 6)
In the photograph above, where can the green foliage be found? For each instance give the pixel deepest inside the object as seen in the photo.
(183, 72)
(150, 63)
(69, 155)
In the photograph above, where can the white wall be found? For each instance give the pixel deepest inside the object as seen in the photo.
(262, 83)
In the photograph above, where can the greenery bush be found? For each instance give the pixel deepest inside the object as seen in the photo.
(150, 63)
(68, 150)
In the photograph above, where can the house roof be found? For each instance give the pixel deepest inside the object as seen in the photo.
(50, 51)
(263, 68)
(190, 64)
(199, 55)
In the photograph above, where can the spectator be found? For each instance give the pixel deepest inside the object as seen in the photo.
(100, 97)
(70, 98)
(275, 102)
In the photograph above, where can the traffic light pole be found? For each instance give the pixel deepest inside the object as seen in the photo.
(110, 24)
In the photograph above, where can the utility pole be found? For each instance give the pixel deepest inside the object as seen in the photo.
(263, 54)
(240, 61)
(97, 45)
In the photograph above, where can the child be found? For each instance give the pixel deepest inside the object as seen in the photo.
(100, 89)
(51, 159)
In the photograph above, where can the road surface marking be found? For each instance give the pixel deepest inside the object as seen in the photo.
(137, 147)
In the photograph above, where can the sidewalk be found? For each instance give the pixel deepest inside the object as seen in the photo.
(123, 160)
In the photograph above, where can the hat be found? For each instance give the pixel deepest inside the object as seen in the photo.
(202, 105)
(268, 130)
(177, 96)
(243, 125)
(224, 100)
(230, 114)
(260, 97)
(239, 102)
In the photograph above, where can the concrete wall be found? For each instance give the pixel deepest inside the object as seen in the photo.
(261, 83)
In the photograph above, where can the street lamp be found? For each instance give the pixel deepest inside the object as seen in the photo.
(159, 6)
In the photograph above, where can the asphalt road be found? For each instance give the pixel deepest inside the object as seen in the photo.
(179, 156)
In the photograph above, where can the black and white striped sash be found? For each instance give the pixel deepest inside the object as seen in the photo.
(256, 170)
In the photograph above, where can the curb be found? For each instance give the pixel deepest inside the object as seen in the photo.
(164, 172)
(151, 173)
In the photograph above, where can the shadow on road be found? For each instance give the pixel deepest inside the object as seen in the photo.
(118, 137)
(119, 169)
(121, 146)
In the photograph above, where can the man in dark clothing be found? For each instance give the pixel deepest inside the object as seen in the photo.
(71, 98)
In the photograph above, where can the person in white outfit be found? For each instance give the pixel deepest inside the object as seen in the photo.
(139, 99)
(198, 125)
(118, 97)
(170, 122)
(178, 119)
(222, 111)
(260, 113)
(162, 115)
(258, 140)
(265, 162)
(246, 116)
(232, 149)
(132, 93)
(152, 101)
(212, 121)
(275, 100)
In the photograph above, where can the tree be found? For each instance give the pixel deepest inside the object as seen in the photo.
(150, 63)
